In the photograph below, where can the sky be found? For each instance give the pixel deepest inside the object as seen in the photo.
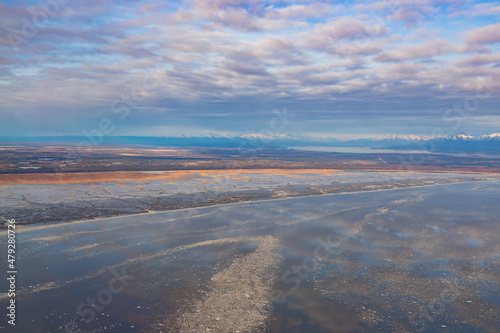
(340, 69)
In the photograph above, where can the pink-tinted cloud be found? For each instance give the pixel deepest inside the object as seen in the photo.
(300, 11)
(240, 51)
(424, 50)
(482, 9)
(477, 60)
(484, 35)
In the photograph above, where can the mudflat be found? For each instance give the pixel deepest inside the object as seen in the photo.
(370, 261)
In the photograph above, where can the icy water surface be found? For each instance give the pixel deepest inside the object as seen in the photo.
(423, 259)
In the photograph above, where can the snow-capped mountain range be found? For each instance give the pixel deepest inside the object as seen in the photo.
(456, 143)
(375, 139)
(451, 143)
(463, 137)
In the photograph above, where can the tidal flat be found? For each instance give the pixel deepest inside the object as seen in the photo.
(65, 197)
(416, 259)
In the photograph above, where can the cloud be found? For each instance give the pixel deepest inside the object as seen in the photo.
(301, 11)
(408, 15)
(349, 28)
(345, 36)
(372, 58)
(418, 51)
(484, 35)
(477, 60)
(482, 9)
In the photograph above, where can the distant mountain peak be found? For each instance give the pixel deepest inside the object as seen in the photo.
(399, 137)
(409, 137)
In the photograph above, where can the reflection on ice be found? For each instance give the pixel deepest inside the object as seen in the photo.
(417, 259)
